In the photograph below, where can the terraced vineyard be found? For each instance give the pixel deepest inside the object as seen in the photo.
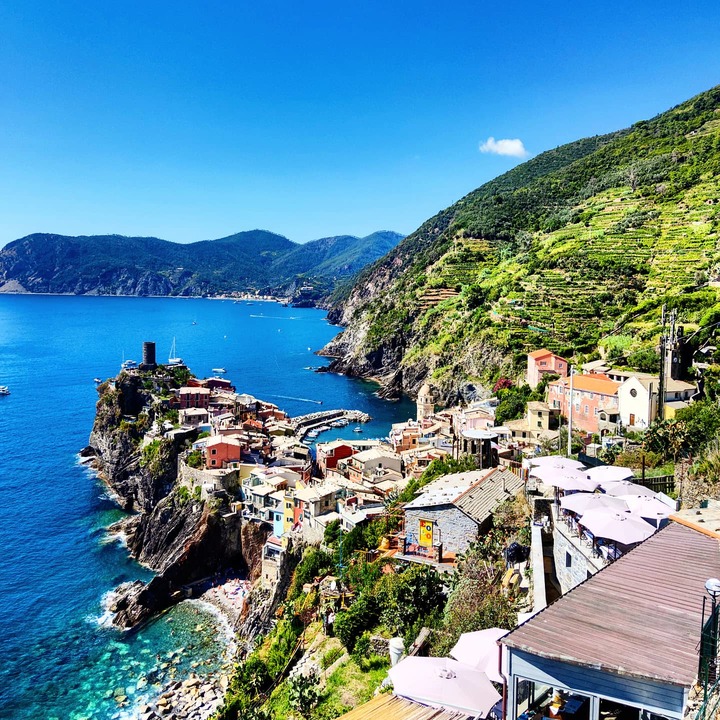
(575, 249)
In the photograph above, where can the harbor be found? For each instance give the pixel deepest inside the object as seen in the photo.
(311, 425)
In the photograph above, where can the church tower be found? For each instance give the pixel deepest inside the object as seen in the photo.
(425, 403)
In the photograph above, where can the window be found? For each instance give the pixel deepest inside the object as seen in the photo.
(587, 409)
(213, 451)
(677, 395)
(596, 412)
(539, 423)
(633, 392)
(213, 462)
(568, 560)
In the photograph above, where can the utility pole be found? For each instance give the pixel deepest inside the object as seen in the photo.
(570, 414)
(661, 384)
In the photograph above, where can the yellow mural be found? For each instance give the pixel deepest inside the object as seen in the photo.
(426, 533)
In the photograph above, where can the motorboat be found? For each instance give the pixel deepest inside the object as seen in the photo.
(4, 390)
(129, 365)
(220, 371)
(97, 380)
(357, 429)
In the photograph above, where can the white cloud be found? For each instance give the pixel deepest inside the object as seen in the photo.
(512, 148)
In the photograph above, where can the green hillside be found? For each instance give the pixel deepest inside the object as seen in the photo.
(247, 261)
(576, 248)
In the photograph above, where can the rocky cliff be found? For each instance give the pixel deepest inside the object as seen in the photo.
(175, 533)
(184, 541)
(123, 413)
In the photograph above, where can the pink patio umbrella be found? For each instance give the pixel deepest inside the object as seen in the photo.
(564, 478)
(481, 651)
(620, 527)
(625, 488)
(609, 474)
(445, 683)
(556, 461)
(646, 506)
(582, 502)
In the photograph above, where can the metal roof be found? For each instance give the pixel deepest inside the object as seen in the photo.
(639, 616)
(479, 501)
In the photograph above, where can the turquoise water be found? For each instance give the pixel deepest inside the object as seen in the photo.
(56, 659)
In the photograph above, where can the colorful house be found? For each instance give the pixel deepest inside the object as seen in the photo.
(194, 397)
(543, 362)
(328, 454)
(221, 450)
(595, 402)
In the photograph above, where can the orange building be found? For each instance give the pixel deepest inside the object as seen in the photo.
(595, 401)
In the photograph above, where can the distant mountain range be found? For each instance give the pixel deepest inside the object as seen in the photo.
(255, 260)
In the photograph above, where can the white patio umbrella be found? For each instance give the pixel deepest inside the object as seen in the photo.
(564, 478)
(624, 488)
(446, 683)
(646, 506)
(582, 502)
(609, 473)
(556, 461)
(480, 651)
(620, 527)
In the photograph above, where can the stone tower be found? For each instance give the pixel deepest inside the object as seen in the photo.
(425, 403)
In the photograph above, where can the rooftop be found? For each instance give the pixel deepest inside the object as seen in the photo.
(590, 383)
(479, 501)
(639, 616)
(445, 490)
(539, 353)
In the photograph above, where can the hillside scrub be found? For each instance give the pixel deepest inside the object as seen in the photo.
(571, 249)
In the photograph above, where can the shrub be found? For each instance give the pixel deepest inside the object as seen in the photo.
(195, 459)
(330, 657)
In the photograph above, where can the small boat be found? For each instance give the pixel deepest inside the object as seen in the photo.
(220, 371)
(97, 380)
(357, 429)
(129, 365)
(4, 390)
(313, 434)
(173, 360)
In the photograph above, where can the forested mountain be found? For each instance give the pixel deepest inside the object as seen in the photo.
(576, 249)
(246, 261)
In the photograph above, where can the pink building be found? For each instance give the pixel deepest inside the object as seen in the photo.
(220, 450)
(595, 401)
(542, 362)
(194, 397)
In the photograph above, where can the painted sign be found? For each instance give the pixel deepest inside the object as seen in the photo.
(426, 533)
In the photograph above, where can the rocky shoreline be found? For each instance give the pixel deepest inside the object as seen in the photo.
(193, 699)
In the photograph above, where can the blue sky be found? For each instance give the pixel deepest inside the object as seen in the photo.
(194, 120)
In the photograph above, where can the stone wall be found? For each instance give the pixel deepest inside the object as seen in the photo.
(572, 565)
(456, 530)
(379, 646)
(192, 477)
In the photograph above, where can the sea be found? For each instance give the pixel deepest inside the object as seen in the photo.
(59, 659)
